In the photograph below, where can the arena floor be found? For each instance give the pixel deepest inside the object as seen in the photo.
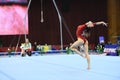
(59, 67)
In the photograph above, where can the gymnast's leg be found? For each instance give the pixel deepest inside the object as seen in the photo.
(87, 54)
(75, 45)
(80, 42)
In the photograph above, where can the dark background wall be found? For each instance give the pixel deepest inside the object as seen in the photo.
(74, 12)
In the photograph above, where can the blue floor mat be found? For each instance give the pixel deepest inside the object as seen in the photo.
(59, 67)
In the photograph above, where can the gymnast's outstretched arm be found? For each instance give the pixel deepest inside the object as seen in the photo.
(101, 22)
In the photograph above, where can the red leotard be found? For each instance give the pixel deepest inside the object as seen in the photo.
(79, 32)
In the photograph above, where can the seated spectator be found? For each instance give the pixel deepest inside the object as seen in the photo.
(26, 48)
(45, 48)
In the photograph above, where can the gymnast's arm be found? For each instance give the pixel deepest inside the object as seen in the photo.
(101, 22)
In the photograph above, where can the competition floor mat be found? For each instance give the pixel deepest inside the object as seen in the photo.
(59, 67)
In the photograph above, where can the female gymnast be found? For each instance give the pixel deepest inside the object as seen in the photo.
(82, 34)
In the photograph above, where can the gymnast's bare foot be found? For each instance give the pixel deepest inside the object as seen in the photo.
(82, 55)
(88, 68)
